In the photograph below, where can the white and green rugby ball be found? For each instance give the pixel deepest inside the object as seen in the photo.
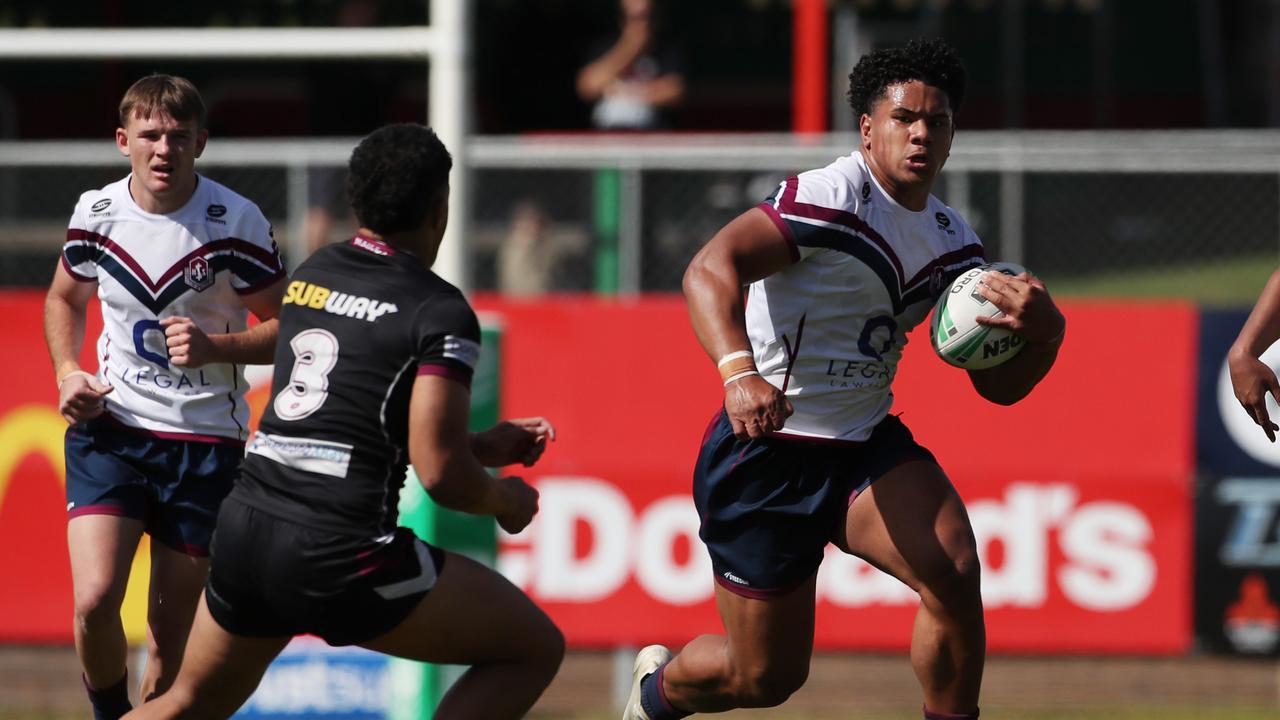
(954, 331)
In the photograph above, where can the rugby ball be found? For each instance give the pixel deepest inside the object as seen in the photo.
(954, 331)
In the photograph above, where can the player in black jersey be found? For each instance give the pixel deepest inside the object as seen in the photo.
(373, 368)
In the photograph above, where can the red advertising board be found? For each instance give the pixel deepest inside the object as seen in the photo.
(35, 598)
(1080, 495)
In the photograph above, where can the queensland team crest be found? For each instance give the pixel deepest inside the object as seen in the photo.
(937, 281)
(198, 274)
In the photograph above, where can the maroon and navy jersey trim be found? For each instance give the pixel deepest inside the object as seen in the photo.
(793, 353)
(75, 275)
(784, 228)
(252, 264)
(452, 372)
(99, 509)
(845, 232)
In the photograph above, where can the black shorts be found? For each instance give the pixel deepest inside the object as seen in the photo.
(769, 507)
(272, 578)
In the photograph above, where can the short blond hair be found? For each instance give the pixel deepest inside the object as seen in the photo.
(170, 94)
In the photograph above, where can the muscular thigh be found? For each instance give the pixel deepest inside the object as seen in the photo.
(912, 524)
(769, 635)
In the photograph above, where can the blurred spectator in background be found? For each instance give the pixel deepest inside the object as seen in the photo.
(634, 78)
(527, 258)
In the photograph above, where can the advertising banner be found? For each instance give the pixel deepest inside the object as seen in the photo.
(1237, 608)
(1079, 495)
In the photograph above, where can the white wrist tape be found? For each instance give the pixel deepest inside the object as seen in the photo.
(730, 357)
(740, 375)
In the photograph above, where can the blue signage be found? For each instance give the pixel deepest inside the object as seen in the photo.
(310, 679)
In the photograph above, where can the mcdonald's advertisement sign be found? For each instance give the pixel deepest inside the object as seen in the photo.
(36, 596)
(1076, 530)
(35, 600)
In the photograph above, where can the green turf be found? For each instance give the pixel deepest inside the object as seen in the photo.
(1227, 283)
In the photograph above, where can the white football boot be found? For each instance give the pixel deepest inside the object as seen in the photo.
(649, 659)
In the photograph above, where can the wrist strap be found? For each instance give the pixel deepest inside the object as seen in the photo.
(736, 365)
(739, 376)
(729, 357)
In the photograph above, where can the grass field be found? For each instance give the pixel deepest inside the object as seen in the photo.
(1148, 712)
(1152, 712)
(1228, 283)
(43, 684)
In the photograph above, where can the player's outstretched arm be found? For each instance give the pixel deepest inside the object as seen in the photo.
(190, 347)
(1030, 312)
(80, 395)
(749, 248)
(1252, 379)
(441, 453)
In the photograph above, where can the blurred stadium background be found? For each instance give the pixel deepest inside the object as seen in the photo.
(1128, 151)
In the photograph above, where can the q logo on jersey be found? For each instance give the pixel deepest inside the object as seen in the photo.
(198, 275)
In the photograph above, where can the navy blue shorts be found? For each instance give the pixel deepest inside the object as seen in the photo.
(173, 486)
(769, 507)
(274, 578)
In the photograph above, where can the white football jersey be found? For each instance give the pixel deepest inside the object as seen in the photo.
(829, 329)
(193, 262)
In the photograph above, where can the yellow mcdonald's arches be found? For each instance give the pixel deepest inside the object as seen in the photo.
(40, 429)
(31, 429)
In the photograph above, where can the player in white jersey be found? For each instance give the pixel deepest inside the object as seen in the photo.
(157, 434)
(841, 262)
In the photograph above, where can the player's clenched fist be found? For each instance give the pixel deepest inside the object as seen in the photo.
(80, 397)
(188, 345)
(755, 407)
(520, 504)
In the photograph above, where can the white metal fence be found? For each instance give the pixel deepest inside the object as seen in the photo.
(624, 214)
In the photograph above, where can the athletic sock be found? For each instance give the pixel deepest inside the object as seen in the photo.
(931, 715)
(653, 698)
(109, 703)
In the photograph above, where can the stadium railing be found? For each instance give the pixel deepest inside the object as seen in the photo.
(624, 213)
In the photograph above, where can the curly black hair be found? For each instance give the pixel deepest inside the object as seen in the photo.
(394, 175)
(931, 61)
